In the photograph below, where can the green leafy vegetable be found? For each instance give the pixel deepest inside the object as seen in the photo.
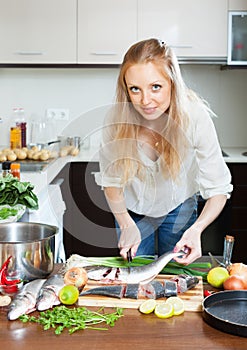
(13, 191)
(74, 319)
(6, 212)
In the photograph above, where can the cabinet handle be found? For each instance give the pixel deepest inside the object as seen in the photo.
(29, 53)
(104, 53)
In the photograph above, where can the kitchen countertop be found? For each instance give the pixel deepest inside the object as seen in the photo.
(132, 331)
(42, 178)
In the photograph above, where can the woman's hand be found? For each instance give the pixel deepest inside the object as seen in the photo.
(190, 243)
(130, 238)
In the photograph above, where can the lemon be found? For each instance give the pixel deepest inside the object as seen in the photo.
(164, 310)
(147, 306)
(69, 294)
(178, 305)
(217, 276)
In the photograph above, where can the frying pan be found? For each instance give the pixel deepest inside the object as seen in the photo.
(227, 311)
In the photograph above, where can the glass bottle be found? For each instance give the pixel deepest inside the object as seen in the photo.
(20, 122)
(15, 137)
(228, 247)
(16, 170)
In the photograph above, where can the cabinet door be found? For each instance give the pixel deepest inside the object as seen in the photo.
(34, 31)
(194, 28)
(89, 226)
(106, 29)
(237, 5)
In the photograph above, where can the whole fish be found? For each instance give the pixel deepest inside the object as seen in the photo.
(132, 275)
(24, 301)
(48, 294)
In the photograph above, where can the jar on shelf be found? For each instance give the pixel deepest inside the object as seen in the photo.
(6, 168)
(16, 170)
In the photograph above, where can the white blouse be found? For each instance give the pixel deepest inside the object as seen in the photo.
(203, 171)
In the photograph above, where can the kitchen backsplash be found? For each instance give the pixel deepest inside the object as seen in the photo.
(87, 93)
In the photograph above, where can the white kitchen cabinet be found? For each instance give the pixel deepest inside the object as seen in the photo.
(106, 29)
(34, 31)
(237, 5)
(194, 28)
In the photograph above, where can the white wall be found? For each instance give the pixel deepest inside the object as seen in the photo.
(85, 91)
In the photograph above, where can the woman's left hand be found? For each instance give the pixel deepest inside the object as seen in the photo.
(190, 243)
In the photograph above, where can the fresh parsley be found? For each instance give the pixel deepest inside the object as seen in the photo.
(74, 319)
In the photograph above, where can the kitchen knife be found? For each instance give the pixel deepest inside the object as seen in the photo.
(129, 259)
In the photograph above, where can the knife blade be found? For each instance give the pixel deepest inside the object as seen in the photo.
(129, 259)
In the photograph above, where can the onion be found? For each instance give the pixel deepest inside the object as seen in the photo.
(76, 276)
(239, 269)
(235, 282)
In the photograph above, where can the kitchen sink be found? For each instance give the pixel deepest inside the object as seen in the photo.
(33, 166)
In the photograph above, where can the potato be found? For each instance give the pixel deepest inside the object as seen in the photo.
(74, 151)
(11, 156)
(30, 154)
(63, 152)
(44, 156)
(21, 155)
(36, 155)
(35, 149)
(3, 158)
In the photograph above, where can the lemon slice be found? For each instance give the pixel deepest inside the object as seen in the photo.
(163, 310)
(178, 305)
(147, 306)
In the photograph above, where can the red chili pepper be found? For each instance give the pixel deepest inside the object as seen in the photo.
(4, 280)
(207, 293)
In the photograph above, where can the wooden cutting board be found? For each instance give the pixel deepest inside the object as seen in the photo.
(192, 298)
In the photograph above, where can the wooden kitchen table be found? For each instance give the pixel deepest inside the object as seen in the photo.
(131, 332)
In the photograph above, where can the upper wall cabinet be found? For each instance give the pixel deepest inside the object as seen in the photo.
(34, 31)
(237, 5)
(194, 28)
(106, 29)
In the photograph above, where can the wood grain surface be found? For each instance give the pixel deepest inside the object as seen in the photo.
(192, 298)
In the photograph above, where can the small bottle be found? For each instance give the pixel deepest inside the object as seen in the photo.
(15, 137)
(16, 170)
(20, 122)
(6, 168)
(227, 253)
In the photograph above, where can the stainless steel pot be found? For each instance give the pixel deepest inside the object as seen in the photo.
(41, 146)
(31, 246)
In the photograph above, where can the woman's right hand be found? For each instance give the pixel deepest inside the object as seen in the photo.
(130, 238)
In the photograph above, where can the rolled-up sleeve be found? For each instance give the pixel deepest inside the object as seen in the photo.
(214, 177)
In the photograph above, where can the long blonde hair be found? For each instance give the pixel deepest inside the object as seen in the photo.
(125, 120)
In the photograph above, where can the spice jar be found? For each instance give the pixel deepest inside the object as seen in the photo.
(5, 168)
(16, 170)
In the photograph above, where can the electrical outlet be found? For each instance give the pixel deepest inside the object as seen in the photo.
(57, 113)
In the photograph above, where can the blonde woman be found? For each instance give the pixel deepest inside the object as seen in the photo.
(159, 151)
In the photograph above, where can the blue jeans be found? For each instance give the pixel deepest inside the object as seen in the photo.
(160, 235)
